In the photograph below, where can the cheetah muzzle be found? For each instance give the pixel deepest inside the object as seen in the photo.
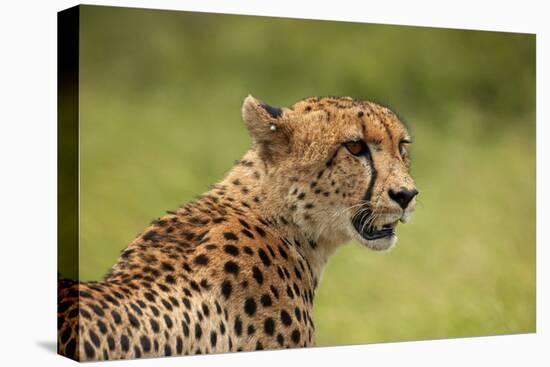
(237, 269)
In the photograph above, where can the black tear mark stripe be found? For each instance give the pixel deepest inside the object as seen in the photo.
(330, 161)
(373, 175)
(370, 162)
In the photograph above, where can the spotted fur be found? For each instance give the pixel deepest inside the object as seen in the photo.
(237, 269)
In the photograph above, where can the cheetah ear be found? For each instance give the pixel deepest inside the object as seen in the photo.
(267, 127)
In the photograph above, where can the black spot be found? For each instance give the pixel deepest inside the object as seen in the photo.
(194, 285)
(213, 338)
(257, 274)
(298, 314)
(283, 253)
(250, 306)
(231, 250)
(89, 350)
(170, 279)
(247, 233)
(168, 321)
(248, 250)
(238, 327)
(296, 289)
(167, 350)
(85, 314)
(70, 349)
(98, 311)
(264, 257)
(259, 346)
(145, 343)
(154, 325)
(149, 235)
(289, 292)
(149, 296)
(226, 288)
(244, 223)
(137, 351)
(179, 345)
(66, 335)
(167, 267)
(280, 339)
(301, 196)
(360, 114)
(269, 326)
(124, 343)
(309, 206)
(271, 251)
(111, 343)
(116, 317)
(230, 236)
(198, 331)
(102, 327)
(295, 336)
(64, 306)
(266, 300)
(285, 318)
(231, 267)
(205, 310)
(260, 231)
(133, 320)
(222, 328)
(136, 308)
(201, 260)
(274, 291)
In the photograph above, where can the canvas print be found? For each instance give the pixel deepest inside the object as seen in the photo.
(235, 183)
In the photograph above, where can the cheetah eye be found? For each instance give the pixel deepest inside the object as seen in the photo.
(357, 148)
(403, 147)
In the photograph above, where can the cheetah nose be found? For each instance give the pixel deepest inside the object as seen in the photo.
(403, 197)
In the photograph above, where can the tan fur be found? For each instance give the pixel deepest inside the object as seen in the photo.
(266, 232)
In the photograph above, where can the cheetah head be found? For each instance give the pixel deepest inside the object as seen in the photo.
(338, 167)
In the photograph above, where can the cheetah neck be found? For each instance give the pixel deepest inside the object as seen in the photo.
(253, 187)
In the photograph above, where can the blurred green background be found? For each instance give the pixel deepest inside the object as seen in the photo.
(160, 120)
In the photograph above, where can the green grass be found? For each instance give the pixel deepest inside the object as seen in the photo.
(160, 121)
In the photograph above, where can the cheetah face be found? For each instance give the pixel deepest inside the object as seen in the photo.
(343, 164)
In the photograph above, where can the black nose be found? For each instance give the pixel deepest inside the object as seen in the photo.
(403, 197)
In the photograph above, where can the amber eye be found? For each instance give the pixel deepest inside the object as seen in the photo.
(356, 148)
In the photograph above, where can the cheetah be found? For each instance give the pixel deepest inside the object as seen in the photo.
(237, 269)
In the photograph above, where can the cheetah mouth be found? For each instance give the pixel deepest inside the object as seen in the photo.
(371, 233)
(367, 231)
